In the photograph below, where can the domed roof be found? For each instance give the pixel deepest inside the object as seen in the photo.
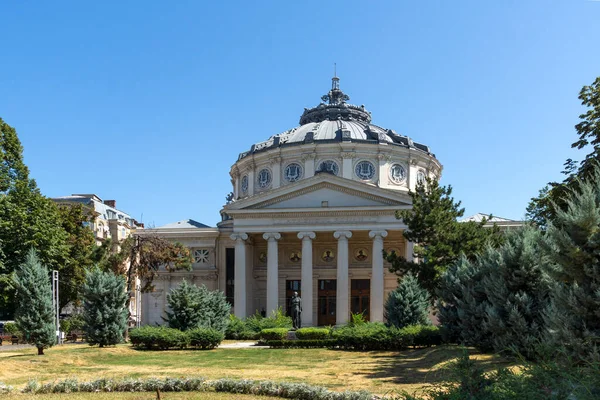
(335, 121)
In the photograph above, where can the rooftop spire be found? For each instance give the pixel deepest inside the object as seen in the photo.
(335, 95)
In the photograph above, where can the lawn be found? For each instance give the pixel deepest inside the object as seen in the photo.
(378, 372)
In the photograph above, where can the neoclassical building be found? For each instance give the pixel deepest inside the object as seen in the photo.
(311, 210)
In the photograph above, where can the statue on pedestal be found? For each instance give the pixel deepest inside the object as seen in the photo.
(296, 306)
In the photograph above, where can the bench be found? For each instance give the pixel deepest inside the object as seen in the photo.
(14, 339)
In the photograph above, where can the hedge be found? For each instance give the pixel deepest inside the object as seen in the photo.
(312, 333)
(205, 338)
(301, 344)
(160, 337)
(371, 336)
(274, 334)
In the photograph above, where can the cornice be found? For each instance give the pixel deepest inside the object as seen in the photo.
(328, 213)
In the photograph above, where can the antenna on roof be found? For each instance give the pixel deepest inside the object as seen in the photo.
(334, 69)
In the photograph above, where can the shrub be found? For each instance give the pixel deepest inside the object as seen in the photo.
(159, 337)
(238, 330)
(197, 307)
(302, 344)
(274, 334)
(205, 338)
(5, 389)
(422, 335)
(10, 328)
(408, 304)
(370, 336)
(277, 319)
(312, 333)
(104, 309)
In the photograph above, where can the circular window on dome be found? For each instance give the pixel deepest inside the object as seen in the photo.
(293, 172)
(245, 184)
(421, 177)
(329, 166)
(264, 178)
(397, 173)
(365, 170)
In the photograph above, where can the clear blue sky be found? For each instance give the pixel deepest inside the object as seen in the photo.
(150, 102)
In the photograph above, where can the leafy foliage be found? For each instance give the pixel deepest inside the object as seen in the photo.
(158, 337)
(197, 307)
(274, 334)
(35, 314)
(438, 236)
(104, 310)
(313, 333)
(408, 304)
(205, 338)
(543, 208)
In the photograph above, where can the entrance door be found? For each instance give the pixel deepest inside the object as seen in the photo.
(290, 288)
(360, 292)
(327, 303)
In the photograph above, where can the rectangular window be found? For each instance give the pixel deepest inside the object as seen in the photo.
(230, 275)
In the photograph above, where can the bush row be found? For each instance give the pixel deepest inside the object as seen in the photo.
(377, 336)
(250, 328)
(301, 344)
(313, 333)
(261, 388)
(163, 338)
(371, 336)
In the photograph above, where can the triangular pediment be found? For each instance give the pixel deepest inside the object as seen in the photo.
(323, 190)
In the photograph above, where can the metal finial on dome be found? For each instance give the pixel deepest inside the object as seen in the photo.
(335, 95)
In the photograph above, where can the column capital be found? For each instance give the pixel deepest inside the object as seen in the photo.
(305, 235)
(272, 236)
(344, 234)
(374, 234)
(239, 236)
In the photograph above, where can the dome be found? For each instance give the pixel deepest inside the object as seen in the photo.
(335, 121)
(335, 138)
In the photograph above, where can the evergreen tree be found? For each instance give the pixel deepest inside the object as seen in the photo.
(197, 307)
(35, 314)
(408, 304)
(104, 310)
(438, 236)
(462, 301)
(516, 288)
(573, 316)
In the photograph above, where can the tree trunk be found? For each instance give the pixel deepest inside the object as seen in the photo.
(40, 351)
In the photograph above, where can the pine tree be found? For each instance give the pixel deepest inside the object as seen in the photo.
(438, 236)
(196, 307)
(462, 301)
(408, 304)
(104, 310)
(516, 288)
(573, 316)
(35, 314)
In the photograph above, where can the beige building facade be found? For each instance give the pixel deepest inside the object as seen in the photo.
(311, 211)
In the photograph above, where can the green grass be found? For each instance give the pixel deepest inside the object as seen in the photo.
(379, 372)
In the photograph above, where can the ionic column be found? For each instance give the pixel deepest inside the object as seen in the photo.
(342, 299)
(377, 276)
(272, 271)
(307, 277)
(239, 292)
(410, 256)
